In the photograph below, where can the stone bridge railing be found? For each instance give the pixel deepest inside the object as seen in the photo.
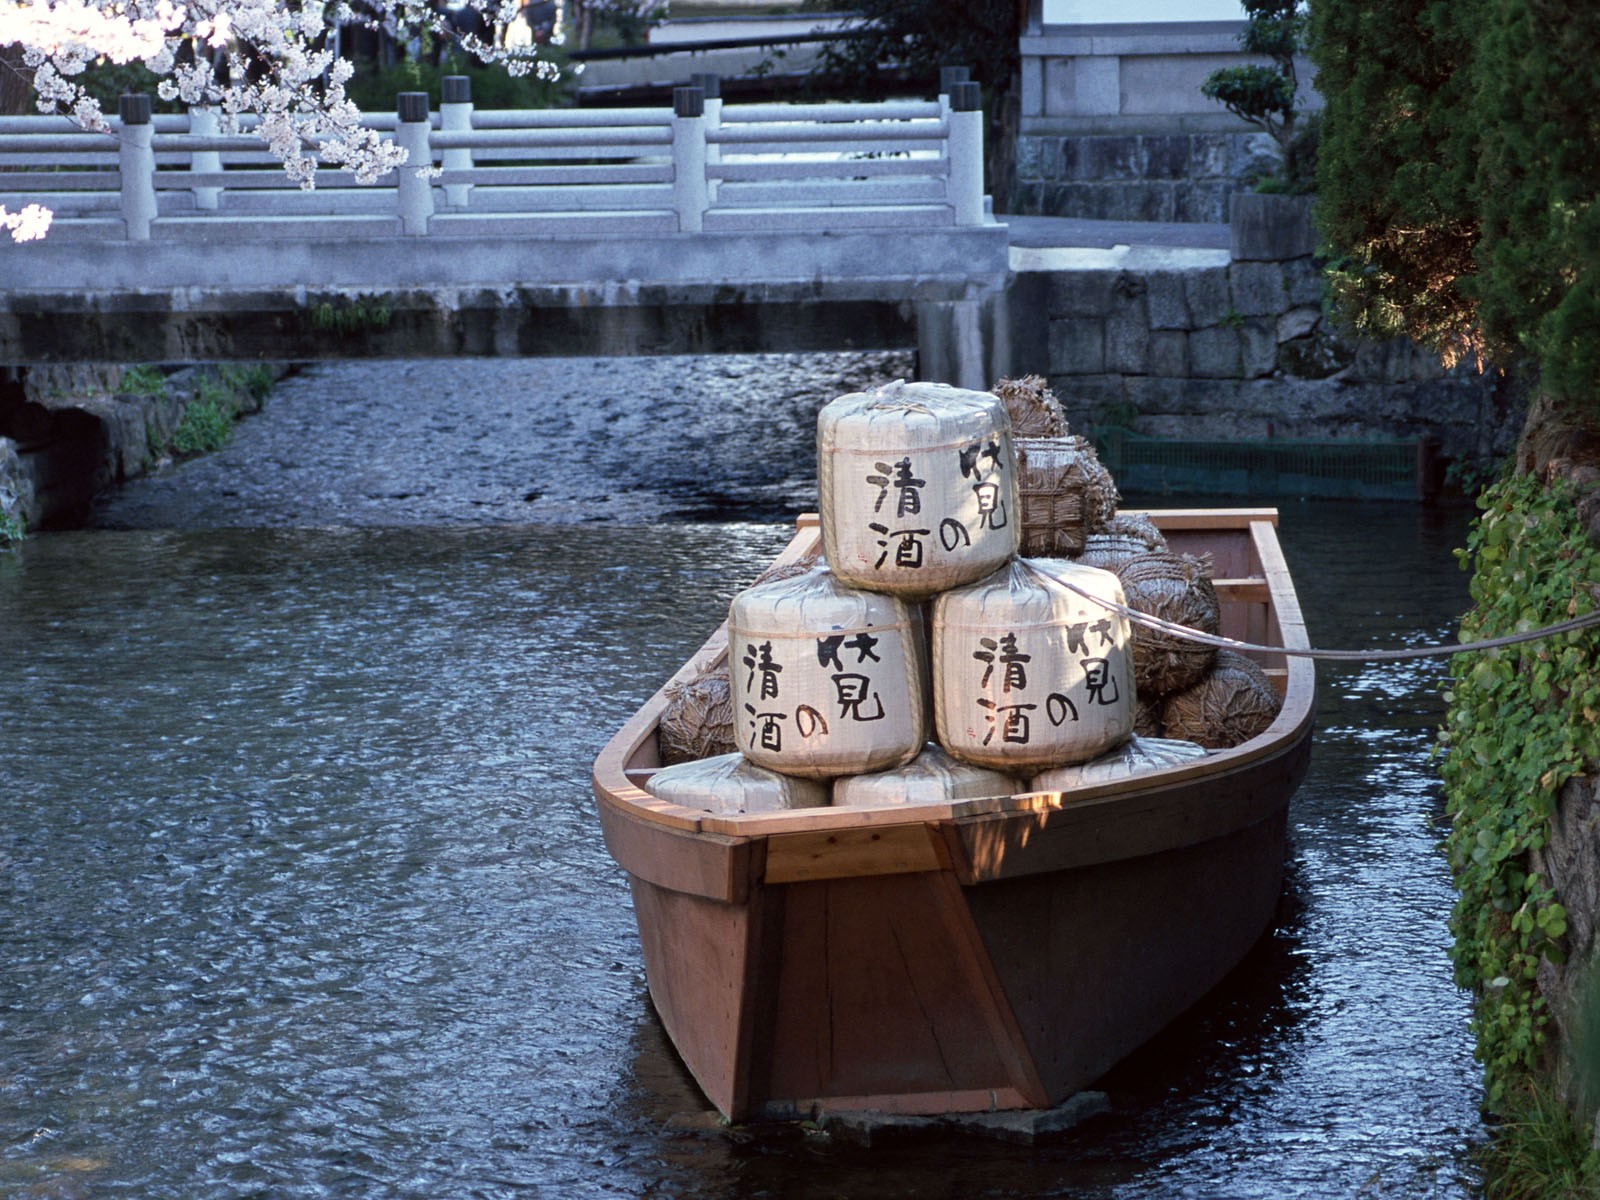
(692, 229)
(697, 167)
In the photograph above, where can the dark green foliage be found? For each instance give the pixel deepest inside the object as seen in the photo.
(1264, 94)
(375, 87)
(919, 37)
(1539, 182)
(1459, 182)
(1395, 172)
(1521, 722)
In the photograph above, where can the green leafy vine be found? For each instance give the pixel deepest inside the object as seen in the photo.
(1521, 721)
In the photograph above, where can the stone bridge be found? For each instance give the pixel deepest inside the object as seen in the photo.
(565, 232)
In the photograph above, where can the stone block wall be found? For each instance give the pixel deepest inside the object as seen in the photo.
(1171, 176)
(1203, 346)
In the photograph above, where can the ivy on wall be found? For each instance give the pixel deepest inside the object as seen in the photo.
(1521, 721)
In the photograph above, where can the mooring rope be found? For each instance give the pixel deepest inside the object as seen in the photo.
(1225, 643)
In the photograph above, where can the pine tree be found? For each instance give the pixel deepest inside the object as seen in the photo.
(1395, 173)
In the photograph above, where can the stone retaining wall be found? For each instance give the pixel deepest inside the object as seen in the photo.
(1144, 176)
(67, 433)
(1208, 345)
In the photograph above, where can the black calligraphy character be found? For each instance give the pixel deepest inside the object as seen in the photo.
(855, 691)
(986, 655)
(991, 512)
(1006, 653)
(1009, 720)
(978, 450)
(907, 553)
(1097, 678)
(909, 501)
(862, 644)
(809, 721)
(1015, 662)
(769, 733)
(759, 660)
(1103, 628)
(828, 652)
(953, 533)
(881, 482)
(1059, 708)
(909, 486)
(1075, 642)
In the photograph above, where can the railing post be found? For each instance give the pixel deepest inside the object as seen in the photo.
(416, 190)
(711, 85)
(203, 122)
(136, 167)
(690, 195)
(455, 116)
(966, 153)
(948, 78)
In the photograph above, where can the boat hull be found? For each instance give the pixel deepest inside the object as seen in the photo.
(996, 954)
(918, 993)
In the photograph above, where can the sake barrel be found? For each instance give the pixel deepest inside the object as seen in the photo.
(917, 486)
(1028, 673)
(827, 680)
(1134, 757)
(731, 783)
(1064, 492)
(932, 777)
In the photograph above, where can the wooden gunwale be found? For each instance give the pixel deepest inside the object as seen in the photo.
(1153, 811)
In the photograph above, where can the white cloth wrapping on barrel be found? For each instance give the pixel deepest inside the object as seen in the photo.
(827, 680)
(1133, 757)
(730, 783)
(1028, 674)
(918, 487)
(933, 777)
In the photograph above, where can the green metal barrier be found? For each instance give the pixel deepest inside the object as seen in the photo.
(1277, 467)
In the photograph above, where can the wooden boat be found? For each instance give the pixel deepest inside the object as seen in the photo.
(983, 955)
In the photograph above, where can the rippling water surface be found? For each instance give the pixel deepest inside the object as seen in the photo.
(302, 893)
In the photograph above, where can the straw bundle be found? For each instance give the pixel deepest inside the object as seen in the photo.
(1232, 704)
(698, 719)
(1147, 717)
(1136, 525)
(1032, 406)
(1108, 550)
(1173, 587)
(1065, 494)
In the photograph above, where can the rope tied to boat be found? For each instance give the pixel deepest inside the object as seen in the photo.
(1586, 621)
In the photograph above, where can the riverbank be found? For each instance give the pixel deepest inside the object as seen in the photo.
(67, 434)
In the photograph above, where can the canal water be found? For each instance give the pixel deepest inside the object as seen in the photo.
(302, 892)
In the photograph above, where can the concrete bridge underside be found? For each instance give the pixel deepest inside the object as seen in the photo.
(437, 297)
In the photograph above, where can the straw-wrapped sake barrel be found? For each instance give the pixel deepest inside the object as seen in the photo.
(918, 487)
(933, 777)
(1134, 757)
(1032, 407)
(697, 721)
(1028, 673)
(827, 680)
(730, 783)
(1065, 494)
